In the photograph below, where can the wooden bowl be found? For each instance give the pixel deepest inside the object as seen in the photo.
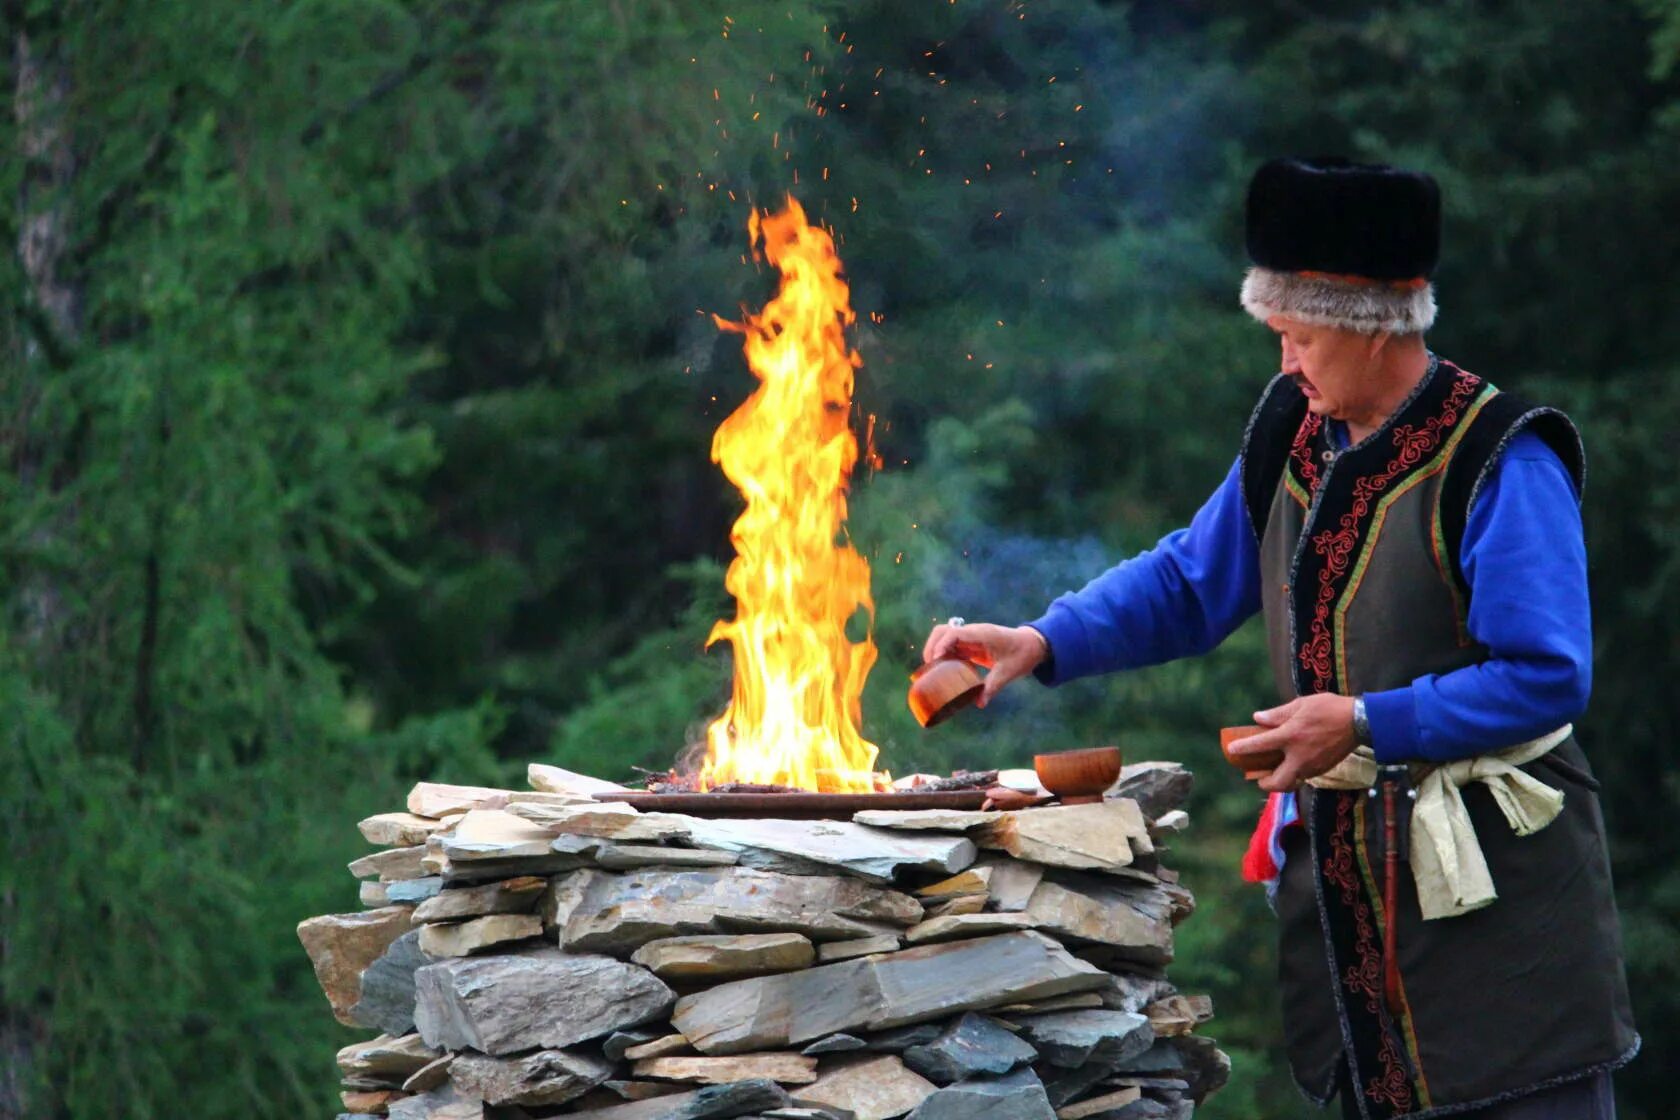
(1247, 763)
(940, 689)
(1078, 776)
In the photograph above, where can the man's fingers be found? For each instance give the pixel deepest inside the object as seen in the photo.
(1285, 778)
(939, 642)
(1273, 739)
(1273, 717)
(999, 676)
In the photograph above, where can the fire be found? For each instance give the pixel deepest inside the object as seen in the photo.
(793, 719)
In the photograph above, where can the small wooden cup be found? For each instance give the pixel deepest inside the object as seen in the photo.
(1247, 763)
(940, 689)
(1080, 776)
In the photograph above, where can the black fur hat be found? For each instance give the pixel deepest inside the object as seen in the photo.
(1343, 244)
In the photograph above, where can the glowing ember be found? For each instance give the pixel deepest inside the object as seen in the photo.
(789, 449)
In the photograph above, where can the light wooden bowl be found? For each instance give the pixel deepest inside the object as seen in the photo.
(1078, 776)
(1247, 763)
(940, 689)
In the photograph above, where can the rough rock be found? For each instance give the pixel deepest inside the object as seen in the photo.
(429, 1076)
(620, 1041)
(639, 1090)
(1015, 1096)
(443, 1103)
(1134, 920)
(716, 957)
(562, 897)
(435, 799)
(1012, 883)
(390, 865)
(1206, 1066)
(953, 926)
(368, 1102)
(714, 1102)
(860, 947)
(1157, 787)
(398, 829)
(618, 913)
(1078, 1001)
(544, 998)
(602, 820)
(1100, 836)
(340, 946)
(879, 992)
(518, 895)
(1164, 1057)
(834, 1044)
(387, 1000)
(972, 882)
(372, 895)
(1178, 1014)
(553, 779)
(962, 904)
(546, 1077)
(1075, 1038)
(918, 820)
(1093, 1106)
(873, 1088)
(785, 1069)
(410, 891)
(495, 834)
(388, 1056)
(899, 1039)
(973, 1045)
(460, 939)
(873, 854)
(663, 1046)
(626, 856)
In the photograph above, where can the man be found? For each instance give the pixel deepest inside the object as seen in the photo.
(1413, 538)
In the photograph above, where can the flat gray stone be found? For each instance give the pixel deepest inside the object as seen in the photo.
(1157, 787)
(835, 1044)
(861, 947)
(928, 982)
(714, 1102)
(460, 939)
(899, 1039)
(974, 1045)
(387, 1057)
(873, 1088)
(1015, 1096)
(626, 856)
(619, 912)
(541, 999)
(390, 865)
(925, 820)
(711, 957)
(1135, 920)
(510, 896)
(443, 1103)
(620, 1041)
(387, 999)
(869, 853)
(546, 1077)
(1076, 1038)
(410, 891)
(494, 834)
(952, 926)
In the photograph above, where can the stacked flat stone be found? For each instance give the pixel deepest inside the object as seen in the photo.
(539, 953)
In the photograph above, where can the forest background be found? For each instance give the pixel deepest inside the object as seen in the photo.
(360, 374)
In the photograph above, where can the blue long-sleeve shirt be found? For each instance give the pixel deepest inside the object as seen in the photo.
(1523, 554)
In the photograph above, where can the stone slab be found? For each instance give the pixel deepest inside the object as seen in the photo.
(861, 947)
(782, 1068)
(443, 1103)
(660, 1047)
(1070, 1039)
(554, 779)
(718, 957)
(495, 834)
(1157, 787)
(872, 1088)
(874, 854)
(538, 999)
(402, 830)
(714, 1102)
(387, 999)
(621, 857)
(973, 1046)
(437, 799)
(1100, 836)
(390, 864)
(1014, 1096)
(545, 1077)
(920, 820)
(509, 896)
(874, 993)
(1134, 920)
(953, 926)
(388, 1056)
(460, 939)
(340, 946)
(408, 892)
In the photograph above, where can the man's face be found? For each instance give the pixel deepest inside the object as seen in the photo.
(1328, 364)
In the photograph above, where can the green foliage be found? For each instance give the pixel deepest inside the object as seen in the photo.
(376, 449)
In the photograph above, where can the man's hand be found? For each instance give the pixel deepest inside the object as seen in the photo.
(1009, 652)
(1314, 732)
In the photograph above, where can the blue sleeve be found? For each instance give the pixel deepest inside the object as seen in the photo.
(1182, 597)
(1525, 560)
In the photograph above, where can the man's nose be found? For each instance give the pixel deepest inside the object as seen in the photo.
(1291, 360)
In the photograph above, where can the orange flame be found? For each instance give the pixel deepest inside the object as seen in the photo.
(793, 719)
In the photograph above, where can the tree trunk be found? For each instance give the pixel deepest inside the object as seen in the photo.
(53, 316)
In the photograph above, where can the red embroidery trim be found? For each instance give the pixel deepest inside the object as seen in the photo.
(1364, 977)
(1335, 548)
(1302, 450)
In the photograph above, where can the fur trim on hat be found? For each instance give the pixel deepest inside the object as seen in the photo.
(1368, 308)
